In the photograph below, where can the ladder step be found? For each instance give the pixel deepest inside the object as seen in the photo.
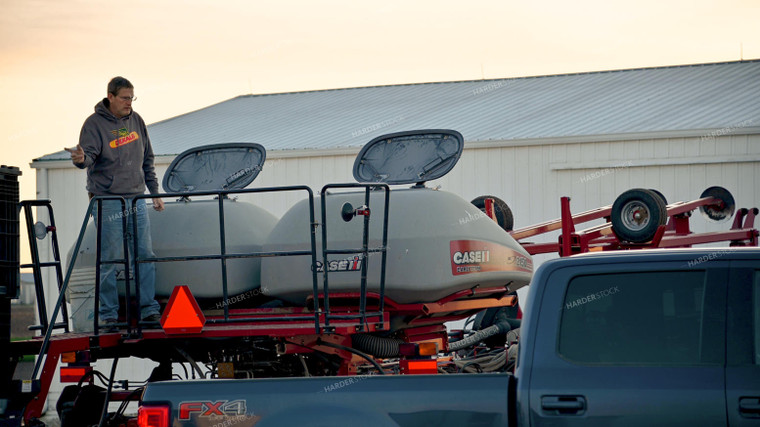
(55, 326)
(42, 264)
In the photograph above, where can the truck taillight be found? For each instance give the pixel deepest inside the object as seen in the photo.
(153, 416)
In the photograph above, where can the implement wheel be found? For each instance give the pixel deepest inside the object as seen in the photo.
(722, 210)
(502, 211)
(636, 215)
(660, 195)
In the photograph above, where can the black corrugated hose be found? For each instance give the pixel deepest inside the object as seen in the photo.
(499, 328)
(377, 346)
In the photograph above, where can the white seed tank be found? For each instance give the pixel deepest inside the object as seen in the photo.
(438, 243)
(191, 228)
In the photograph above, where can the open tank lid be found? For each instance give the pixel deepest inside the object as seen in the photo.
(409, 157)
(229, 166)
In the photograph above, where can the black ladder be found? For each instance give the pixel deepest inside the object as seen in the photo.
(35, 232)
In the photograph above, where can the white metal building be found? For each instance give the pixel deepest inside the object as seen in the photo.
(528, 140)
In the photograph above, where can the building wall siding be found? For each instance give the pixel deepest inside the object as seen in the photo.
(531, 179)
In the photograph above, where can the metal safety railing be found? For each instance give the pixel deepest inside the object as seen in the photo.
(347, 211)
(223, 256)
(134, 328)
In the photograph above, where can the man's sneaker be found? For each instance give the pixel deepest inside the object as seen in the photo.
(152, 318)
(108, 325)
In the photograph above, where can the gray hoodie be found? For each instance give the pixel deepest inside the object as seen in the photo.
(117, 154)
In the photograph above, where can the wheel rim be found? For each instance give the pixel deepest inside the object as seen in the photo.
(635, 215)
(720, 211)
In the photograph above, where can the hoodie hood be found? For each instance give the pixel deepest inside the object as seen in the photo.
(102, 108)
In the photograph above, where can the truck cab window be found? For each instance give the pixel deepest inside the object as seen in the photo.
(651, 318)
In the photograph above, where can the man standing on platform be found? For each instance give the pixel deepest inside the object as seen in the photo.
(115, 149)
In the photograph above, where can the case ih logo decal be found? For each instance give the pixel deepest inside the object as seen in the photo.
(474, 256)
(471, 257)
(207, 409)
(349, 264)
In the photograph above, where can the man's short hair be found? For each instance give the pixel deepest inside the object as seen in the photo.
(118, 83)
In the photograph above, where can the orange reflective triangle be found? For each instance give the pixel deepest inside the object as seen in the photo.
(182, 314)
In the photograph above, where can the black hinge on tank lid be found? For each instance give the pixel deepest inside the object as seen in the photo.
(411, 157)
(229, 166)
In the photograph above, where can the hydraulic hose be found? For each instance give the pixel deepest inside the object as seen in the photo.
(374, 363)
(499, 328)
(377, 346)
(108, 393)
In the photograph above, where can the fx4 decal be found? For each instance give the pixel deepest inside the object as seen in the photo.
(207, 409)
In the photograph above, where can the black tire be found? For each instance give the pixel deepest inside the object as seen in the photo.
(81, 406)
(662, 196)
(503, 213)
(636, 215)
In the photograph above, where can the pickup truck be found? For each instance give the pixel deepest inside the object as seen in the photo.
(631, 338)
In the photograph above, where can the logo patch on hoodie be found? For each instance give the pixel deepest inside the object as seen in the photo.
(120, 132)
(124, 138)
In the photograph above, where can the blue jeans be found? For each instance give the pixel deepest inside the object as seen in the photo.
(112, 245)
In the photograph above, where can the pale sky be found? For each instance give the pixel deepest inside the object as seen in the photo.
(56, 56)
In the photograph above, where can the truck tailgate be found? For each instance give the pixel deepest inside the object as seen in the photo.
(413, 400)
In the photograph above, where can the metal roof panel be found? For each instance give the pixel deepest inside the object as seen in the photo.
(675, 98)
